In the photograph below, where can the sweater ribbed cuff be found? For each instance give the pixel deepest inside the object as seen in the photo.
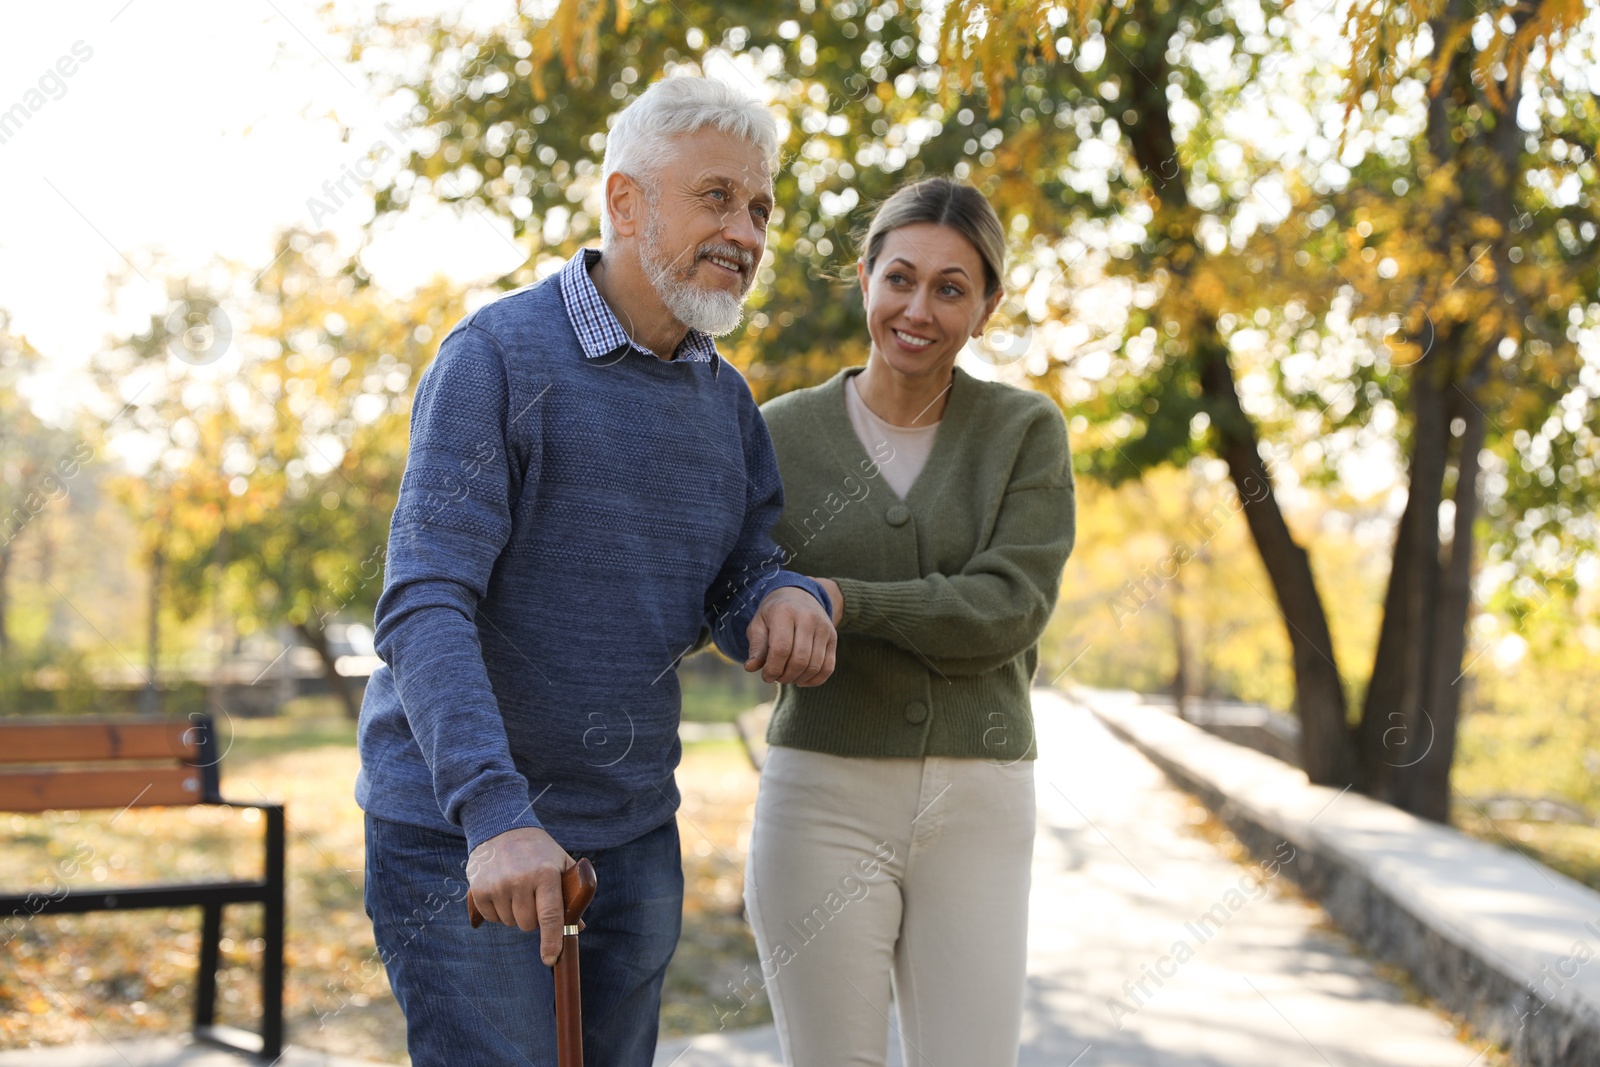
(868, 613)
(493, 813)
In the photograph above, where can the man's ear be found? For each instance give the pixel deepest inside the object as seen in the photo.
(988, 310)
(624, 204)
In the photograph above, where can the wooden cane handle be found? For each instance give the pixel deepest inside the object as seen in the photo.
(577, 890)
(578, 884)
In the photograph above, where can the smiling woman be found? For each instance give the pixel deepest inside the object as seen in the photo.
(930, 272)
(941, 587)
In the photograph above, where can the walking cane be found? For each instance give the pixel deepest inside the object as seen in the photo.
(577, 889)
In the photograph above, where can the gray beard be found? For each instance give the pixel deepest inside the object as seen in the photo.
(709, 311)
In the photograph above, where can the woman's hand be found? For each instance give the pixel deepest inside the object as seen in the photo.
(835, 597)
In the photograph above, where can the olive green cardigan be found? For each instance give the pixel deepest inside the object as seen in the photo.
(945, 592)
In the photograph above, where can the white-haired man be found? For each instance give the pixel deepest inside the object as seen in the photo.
(589, 490)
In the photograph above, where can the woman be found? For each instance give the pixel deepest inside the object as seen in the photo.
(894, 830)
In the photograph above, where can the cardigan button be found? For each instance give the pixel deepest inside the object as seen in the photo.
(916, 711)
(898, 515)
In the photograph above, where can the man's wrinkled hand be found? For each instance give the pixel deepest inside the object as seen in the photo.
(792, 640)
(515, 879)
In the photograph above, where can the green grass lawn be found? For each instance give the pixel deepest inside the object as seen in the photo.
(720, 694)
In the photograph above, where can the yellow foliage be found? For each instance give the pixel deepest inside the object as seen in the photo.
(1376, 29)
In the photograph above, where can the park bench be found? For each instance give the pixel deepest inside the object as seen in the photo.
(81, 764)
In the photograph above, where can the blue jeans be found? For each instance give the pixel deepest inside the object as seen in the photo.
(483, 998)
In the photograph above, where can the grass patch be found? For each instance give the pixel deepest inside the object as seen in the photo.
(257, 739)
(715, 690)
(1571, 848)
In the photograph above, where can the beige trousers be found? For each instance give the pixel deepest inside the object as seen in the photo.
(910, 875)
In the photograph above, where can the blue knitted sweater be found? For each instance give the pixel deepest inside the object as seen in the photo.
(568, 527)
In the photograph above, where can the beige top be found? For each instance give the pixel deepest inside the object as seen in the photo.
(909, 445)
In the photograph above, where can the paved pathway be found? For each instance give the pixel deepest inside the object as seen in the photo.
(164, 1052)
(1122, 892)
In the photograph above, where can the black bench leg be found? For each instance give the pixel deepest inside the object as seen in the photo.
(205, 987)
(272, 958)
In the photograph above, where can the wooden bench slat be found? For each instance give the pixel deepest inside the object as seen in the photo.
(32, 742)
(40, 790)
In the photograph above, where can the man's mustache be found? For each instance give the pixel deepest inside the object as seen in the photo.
(742, 256)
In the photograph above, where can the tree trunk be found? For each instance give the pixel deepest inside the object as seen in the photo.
(150, 699)
(1394, 732)
(1183, 682)
(317, 638)
(1327, 748)
(1427, 790)
(55, 630)
(5, 606)
(1391, 732)
(1413, 702)
(1408, 728)
(6, 695)
(218, 687)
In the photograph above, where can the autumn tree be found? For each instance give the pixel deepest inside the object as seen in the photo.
(173, 423)
(331, 379)
(38, 462)
(1498, 247)
(272, 445)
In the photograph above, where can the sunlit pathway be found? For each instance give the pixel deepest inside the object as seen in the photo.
(1151, 947)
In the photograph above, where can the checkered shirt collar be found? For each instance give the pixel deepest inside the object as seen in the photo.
(599, 332)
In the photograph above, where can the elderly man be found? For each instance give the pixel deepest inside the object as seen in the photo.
(589, 491)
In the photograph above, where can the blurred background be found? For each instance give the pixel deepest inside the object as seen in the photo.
(1314, 285)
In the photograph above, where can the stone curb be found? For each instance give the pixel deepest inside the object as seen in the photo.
(1505, 942)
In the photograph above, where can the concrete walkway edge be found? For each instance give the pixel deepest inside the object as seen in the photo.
(1509, 944)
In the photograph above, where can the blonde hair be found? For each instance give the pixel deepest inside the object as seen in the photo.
(948, 203)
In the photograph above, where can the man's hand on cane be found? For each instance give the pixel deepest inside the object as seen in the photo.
(515, 879)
